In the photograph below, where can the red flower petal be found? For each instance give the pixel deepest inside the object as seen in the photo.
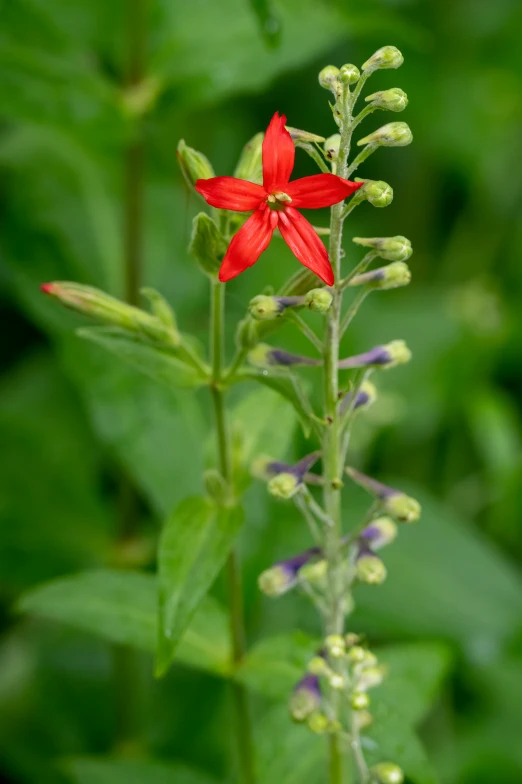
(278, 154)
(247, 245)
(229, 193)
(305, 244)
(320, 190)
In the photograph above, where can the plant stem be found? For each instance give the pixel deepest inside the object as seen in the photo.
(237, 625)
(126, 661)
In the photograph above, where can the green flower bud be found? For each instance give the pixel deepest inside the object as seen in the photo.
(393, 276)
(318, 666)
(160, 307)
(359, 700)
(395, 134)
(314, 572)
(96, 304)
(377, 192)
(387, 773)
(403, 507)
(385, 57)
(207, 245)
(319, 723)
(306, 698)
(250, 164)
(265, 308)
(380, 532)
(274, 582)
(193, 164)
(370, 569)
(328, 77)
(379, 357)
(351, 639)
(370, 677)
(335, 645)
(390, 248)
(331, 147)
(246, 333)
(283, 486)
(356, 653)
(393, 100)
(349, 74)
(303, 136)
(337, 681)
(318, 300)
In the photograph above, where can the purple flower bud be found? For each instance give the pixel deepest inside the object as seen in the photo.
(265, 308)
(365, 397)
(306, 698)
(385, 356)
(399, 505)
(265, 356)
(283, 576)
(299, 470)
(379, 533)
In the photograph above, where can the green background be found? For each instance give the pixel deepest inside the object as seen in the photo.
(87, 445)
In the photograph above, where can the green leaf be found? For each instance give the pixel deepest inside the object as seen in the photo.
(265, 424)
(274, 665)
(288, 753)
(444, 579)
(121, 607)
(288, 386)
(154, 361)
(193, 547)
(121, 771)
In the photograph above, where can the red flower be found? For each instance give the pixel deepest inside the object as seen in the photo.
(274, 206)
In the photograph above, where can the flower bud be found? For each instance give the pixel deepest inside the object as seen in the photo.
(318, 666)
(319, 723)
(207, 245)
(404, 508)
(356, 653)
(303, 136)
(250, 164)
(359, 700)
(370, 569)
(306, 698)
(215, 485)
(193, 164)
(382, 357)
(318, 300)
(392, 276)
(337, 681)
(265, 308)
(387, 773)
(331, 146)
(370, 677)
(377, 192)
(385, 57)
(283, 486)
(366, 395)
(351, 639)
(283, 576)
(96, 304)
(395, 134)
(160, 307)
(364, 719)
(394, 100)
(314, 572)
(264, 356)
(349, 74)
(379, 533)
(396, 248)
(328, 77)
(335, 645)
(247, 334)
(399, 505)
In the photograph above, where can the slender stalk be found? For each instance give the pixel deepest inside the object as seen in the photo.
(128, 679)
(237, 625)
(363, 774)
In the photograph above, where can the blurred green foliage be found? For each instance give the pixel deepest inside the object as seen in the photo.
(73, 420)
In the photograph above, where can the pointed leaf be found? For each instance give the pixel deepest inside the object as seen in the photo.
(194, 546)
(121, 607)
(156, 362)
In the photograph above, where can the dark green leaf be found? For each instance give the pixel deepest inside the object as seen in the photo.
(193, 547)
(154, 361)
(121, 607)
(118, 771)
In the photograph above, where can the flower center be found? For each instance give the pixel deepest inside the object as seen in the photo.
(278, 200)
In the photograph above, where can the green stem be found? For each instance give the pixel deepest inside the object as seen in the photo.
(365, 153)
(237, 625)
(352, 310)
